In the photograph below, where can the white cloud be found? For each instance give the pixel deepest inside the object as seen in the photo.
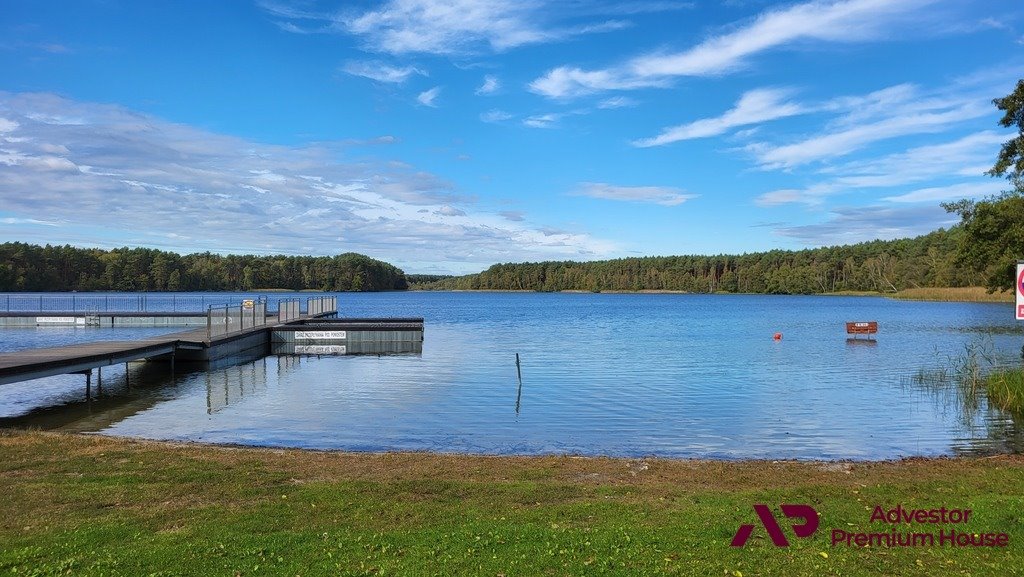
(950, 192)
(663, 195)
(567, 82)
(490, 85)
(882, 115)
(7, 125)
(542, 120)
(460, 26)
(616, 102)
(784, 196)
(31, 221)
(226, 194)
(837, 21)
(450, 211)
(970, 155)
(756, 106)
(381, 72)
(964, 157)
(851, 225)
(427, 97)
(495, 116)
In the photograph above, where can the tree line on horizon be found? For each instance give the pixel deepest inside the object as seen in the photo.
(883, 266)
(27, 267)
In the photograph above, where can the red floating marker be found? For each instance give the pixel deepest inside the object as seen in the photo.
(777, 337)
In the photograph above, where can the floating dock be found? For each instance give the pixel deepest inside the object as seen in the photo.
(303, 334)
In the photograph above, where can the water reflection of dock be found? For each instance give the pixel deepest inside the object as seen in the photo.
(353, 348)
(231, 384)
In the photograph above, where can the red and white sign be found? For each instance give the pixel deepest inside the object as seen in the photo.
(1020, 290)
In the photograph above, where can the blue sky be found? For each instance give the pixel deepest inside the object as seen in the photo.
(447, 136)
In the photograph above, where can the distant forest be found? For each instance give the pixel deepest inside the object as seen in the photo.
(883, 266)
(26, 267)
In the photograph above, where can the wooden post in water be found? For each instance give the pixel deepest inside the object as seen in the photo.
(88, 385)
(519, 391)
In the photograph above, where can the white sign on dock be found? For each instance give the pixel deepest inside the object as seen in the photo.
(59, 321)
(320, 349)
(320, 335)
(1020, 290)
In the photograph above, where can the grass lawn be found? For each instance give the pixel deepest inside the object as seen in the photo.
(90, 505)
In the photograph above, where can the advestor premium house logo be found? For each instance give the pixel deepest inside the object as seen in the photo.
(805, 529)
(952, 524)
(904, 527)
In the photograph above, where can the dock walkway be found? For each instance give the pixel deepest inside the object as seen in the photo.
(37, 363)
(200, 345)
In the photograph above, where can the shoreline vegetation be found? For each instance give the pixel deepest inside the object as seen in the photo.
(925, 267)
(89, 504)
(1005, 389)
(975, 294)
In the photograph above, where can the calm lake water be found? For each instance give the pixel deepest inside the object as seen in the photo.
(622, 375)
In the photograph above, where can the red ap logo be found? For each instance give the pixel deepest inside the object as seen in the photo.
(805, 529)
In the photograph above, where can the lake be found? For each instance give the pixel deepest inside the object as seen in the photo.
(602, 374)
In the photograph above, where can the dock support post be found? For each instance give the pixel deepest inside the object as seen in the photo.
(172, 365)
(127, 377)
(88, 385)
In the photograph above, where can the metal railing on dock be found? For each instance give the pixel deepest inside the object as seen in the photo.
(321, 305)
(121, 303)
(227, 319)
(136, 303)
(288, 310)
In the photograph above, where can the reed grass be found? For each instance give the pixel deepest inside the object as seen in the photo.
(974, 294)
(1006, 390)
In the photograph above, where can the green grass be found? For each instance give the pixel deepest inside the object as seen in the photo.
(1006, 390)
(86, 505)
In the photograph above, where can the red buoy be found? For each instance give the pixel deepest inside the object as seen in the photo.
(777, 337)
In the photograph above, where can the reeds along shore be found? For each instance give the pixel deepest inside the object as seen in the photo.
(954, 294)
(1005, 389)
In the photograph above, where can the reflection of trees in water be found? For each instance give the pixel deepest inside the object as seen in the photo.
(958, 385)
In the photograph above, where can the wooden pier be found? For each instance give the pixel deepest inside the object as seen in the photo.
(37, 363)
(198, 345)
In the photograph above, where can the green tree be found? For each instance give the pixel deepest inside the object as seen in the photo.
(993, 237)
(174, 281)
(1010, 162)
